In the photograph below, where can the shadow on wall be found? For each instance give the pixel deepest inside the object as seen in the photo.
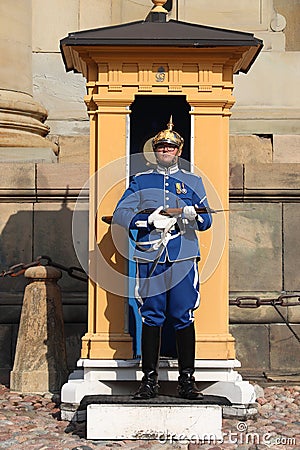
(116, 263)
(30, 230)
(27, 231)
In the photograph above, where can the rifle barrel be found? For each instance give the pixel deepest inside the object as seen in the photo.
(170, 212)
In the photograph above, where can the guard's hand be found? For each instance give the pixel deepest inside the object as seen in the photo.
(189, 213)
(161, 222)
(155, 215)
(164, 223)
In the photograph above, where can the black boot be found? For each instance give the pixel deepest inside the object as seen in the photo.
(185, 340)
(150, 357)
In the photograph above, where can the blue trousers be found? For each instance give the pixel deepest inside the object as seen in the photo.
(172, 290)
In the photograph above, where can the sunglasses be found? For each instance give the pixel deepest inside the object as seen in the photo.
(166, 148)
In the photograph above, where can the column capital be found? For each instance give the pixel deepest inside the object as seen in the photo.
(112, 106)
(211, 107)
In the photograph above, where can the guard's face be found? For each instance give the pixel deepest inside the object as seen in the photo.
(167, 154)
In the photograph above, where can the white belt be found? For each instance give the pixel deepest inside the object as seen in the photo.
(158, 242)
(172, 236)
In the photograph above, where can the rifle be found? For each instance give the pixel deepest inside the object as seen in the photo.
(171, 212)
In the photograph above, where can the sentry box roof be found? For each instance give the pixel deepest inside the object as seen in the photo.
(170, 34)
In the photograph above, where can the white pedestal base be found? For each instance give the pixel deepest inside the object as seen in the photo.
(122, 377)
(165, 423)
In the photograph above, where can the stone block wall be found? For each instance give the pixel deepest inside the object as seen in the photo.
(36, 210)
(264, 250)
(267, 98)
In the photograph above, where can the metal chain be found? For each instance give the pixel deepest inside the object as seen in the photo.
(255, 302)
(241, 301)
(19, 269)
(282, 300)
(252, 302)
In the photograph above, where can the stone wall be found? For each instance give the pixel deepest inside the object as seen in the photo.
(267, 98)
(264, 259)
(36, 210)
(264, 249)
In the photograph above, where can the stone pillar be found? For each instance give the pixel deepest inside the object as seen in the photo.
(40, 361)
(21, 118)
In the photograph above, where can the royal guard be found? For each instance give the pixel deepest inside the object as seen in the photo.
(163, 205)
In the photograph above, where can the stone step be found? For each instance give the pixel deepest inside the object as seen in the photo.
(165, 418)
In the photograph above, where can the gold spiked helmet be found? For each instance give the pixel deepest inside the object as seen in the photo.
(168, 136)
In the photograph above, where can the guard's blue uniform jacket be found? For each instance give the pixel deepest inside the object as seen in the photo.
(173, 287)
(169, 187)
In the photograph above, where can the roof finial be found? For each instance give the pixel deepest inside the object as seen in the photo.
(170, 124)
(158, 6)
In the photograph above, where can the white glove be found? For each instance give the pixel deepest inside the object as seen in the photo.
(161, 222)
(189, 212)
(165, 223)
(155, 215)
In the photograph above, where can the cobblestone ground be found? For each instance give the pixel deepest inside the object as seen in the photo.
(33, 422)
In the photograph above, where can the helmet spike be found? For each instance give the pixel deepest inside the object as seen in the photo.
(168, 136)
(170, 124)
